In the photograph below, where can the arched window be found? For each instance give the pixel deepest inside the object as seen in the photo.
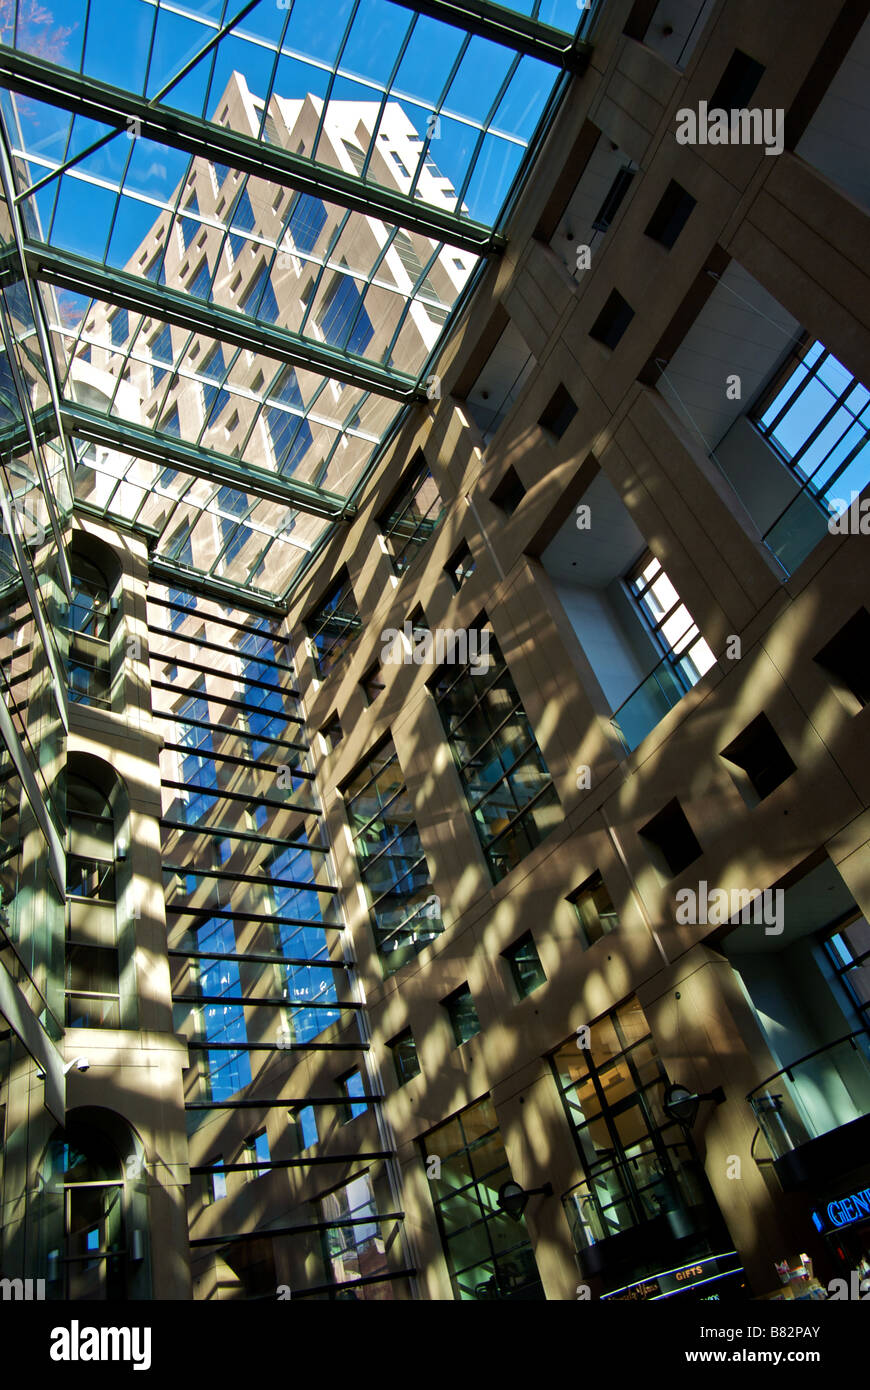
(95, 1215)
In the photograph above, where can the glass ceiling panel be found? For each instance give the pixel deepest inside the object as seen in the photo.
(392, 99)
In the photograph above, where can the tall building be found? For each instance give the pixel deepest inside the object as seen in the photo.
(433, 804)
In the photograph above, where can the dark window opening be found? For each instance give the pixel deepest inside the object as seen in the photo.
(671, 215)
(672, 839)
(559, 413)
(613, 320)
(761, 754)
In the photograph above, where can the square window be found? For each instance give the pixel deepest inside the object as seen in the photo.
(592, 903)
(460, 566)
(462, 1014)
(847, 656)
(736, 86)
(559, 413)
(525, 965)
(509, 493)
(671, 839)
(332, 734)
(671, 215)
(613, 320)
(760, 753)
(405, 1059)
(372, 683)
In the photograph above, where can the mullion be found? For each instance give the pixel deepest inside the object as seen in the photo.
(332, 76)
(838, 404)
(491, 790)
(397, 886)
(494, 732)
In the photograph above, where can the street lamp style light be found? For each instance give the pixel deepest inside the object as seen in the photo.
(681, 1104)
(512, 1198)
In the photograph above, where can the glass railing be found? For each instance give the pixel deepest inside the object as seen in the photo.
(627, 1192)
(797, 531)
(814, 1095)
(648, 704)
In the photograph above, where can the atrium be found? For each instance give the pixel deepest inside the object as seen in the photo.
(433, 747)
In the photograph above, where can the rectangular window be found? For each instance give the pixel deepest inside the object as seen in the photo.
(816, 417)
(214, 397)
(352, 1089)
(200, 281)
(507, 785)
(242, 218)
(462, 1014)
(306, 221)
(257, 1151)
(525, 965)
(289, 433)
(355, 1249)
(667, 618)
(161, 351)
(119, 327)
(259, 299)
(333, 626)
(220, 173)
(638, 1164)
(595, 911)
(412, 516)
(849, 951)
(405, 914)
(460, 566)
(405, 1059)
(342, 320)
(188, 225)
(488, 1252)
(156, 269)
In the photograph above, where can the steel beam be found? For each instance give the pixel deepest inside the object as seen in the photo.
(166, 571)
(129, 438)
(507, 27)
(109, 105)
(141, 296)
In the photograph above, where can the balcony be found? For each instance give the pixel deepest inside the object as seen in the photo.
(815, 1113)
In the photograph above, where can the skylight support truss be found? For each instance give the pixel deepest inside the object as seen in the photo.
(507, 27)
(148, 443)
(105, 104)
(141, 296)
